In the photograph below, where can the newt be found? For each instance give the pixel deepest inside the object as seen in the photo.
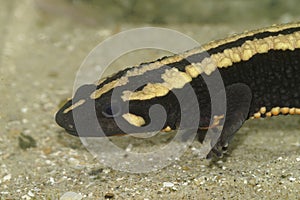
(259, 71)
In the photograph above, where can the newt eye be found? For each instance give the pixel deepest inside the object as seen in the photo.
(112, 109)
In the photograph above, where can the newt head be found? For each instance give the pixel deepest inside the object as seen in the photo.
(124, 104)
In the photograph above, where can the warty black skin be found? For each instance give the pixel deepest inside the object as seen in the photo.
(266, 80)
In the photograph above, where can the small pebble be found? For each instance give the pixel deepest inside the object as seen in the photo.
(51, 180)
(7, 177)
(106, 171)
(71, 196)
(168, 184)
(279, 158)
(31, 194)
(26, 197)
(109, 195)
(24, 110)
(292, 179)
(73, 161)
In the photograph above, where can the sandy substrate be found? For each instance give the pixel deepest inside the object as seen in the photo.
(39, 59)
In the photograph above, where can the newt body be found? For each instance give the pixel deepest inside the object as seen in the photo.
(259, 70)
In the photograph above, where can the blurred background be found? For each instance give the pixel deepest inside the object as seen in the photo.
(96, 12)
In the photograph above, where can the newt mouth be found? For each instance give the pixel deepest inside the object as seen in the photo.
(72, 132)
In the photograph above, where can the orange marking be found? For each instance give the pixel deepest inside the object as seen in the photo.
(269, 114)
(257, 115)
(215, 123)
(292, 111)
(263, 110)
(275, 111)
(284, 110)
(167, 129)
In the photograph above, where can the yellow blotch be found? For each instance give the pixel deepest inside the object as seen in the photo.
(247, 50)
(141, 70)
(207, 61)
(246, 54)
(269, 41)
(107, 87)
(171, 59)
(275, 111)
(228, 52)
(192, 71)
(75, 105)
(208, 69)
(269, 114)
(224, 62)
(257, 115)
(292, 111)
(284, 110)
(134, 119)
(262, 47)
(151, 90)
(167, 129)
(100, 81)
(282, 46)
(236, 57)
(208, 65)
(217, 119)
(175, 79)
(263, 110)
(297, 44)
